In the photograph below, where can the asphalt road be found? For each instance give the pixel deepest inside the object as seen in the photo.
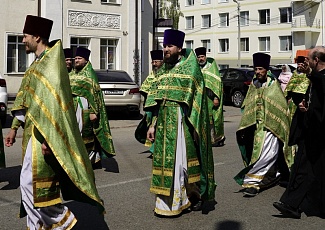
(123, 183)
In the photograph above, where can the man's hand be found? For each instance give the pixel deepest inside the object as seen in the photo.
(151, 134)
(10, 139)
(304, 67)
(92, 117)
(46, 149)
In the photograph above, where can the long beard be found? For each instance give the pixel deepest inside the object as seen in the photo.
(172, 59)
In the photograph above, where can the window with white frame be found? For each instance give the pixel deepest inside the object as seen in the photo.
(111, 1)
(189, 22)
(108, 53)
(189, 2)
(244, 44)
(224, 45)
(189, 44)
(244, 18)
(17, 59)
(205, 1)
(285, 43)
(224, 20)
(207, 44)
(285, 15)
(76, 42)
(222, 1)
(206, 21)
(264, 16)
(264, 43)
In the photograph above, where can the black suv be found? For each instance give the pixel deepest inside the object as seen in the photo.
(236, 82)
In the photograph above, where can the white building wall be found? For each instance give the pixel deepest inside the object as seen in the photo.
(275, 29)
(14, 13)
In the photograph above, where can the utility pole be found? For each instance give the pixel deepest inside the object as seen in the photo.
(238, 17)
(136, 65)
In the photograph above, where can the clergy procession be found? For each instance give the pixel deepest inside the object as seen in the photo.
(67, 134)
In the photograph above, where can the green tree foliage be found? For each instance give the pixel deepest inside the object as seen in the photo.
(170, 9)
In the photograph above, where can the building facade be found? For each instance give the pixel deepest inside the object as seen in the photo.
(111, 29)
(276, 27)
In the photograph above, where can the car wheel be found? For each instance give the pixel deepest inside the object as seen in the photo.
(237, 99)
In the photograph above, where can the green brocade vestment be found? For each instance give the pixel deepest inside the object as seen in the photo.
(45, 95)
(181, 87)
(298, 83)
(90, 90)
(213, 82)
(264, 109)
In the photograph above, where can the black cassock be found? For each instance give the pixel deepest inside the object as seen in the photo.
(306, 188)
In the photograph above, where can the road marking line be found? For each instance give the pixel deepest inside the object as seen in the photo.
(106, 185)
(138, 179)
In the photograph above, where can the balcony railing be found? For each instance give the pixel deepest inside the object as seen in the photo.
(314, 23)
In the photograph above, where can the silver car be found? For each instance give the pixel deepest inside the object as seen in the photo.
(3, 100)
(120, 91)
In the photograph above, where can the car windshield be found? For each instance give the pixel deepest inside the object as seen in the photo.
(113, 76)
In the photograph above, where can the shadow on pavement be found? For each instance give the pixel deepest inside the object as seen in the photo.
(11, 175)
(87, 215)
(228, 224)
(110, 165)
(208, 206)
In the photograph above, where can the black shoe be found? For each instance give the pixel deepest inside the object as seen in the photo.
(97, 165)
(197, 206)
(287, 210)
(219, 143)
(250, 192)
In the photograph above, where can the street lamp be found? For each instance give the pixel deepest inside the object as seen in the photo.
(238, 17)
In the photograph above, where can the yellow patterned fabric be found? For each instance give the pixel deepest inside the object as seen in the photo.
(181, 86)
(213, 82)
(45, 95)
(264, 109)
(90, 89)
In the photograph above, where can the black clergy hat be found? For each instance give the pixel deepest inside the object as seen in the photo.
(261, 60)
(174, 37)
(38, 26)
(67, 52)
(83, 52)
(157, 55)
(201, 51)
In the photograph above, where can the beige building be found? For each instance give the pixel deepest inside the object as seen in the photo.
(276, 27)
(113, 30)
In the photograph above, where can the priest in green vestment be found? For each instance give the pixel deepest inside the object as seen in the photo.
(96, 131)
(263, 132)
(214, 86)
(157, 57)
(182, 152)
(54, 156)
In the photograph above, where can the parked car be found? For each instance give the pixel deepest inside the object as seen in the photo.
(236, 82)
(120, 91)
(3, 100)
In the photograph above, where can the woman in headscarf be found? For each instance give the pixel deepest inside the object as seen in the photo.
(285, 76)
